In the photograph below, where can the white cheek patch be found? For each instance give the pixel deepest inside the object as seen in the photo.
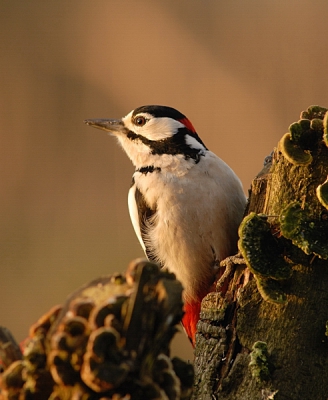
(160, 128)
(155, 128)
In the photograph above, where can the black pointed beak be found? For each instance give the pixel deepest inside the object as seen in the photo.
(110, 125)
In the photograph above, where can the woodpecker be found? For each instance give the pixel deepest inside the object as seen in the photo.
(185, 203)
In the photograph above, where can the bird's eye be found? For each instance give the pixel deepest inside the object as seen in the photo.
(140, 121)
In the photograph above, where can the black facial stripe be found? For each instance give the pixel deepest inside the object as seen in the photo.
(173, 145)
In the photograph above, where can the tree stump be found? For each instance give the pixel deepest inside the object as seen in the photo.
(262, 334)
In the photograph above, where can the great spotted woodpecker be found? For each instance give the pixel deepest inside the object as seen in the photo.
(185, 203)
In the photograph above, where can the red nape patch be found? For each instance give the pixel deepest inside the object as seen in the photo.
(190, 319)
(187, 124)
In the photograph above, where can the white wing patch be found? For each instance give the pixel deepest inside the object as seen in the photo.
(193, 143)
(133, 210)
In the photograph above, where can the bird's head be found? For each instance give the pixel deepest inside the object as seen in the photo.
(152, 135)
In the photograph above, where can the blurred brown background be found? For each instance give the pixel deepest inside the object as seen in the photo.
(242, 71)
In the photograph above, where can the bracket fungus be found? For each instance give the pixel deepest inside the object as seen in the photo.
(262, 254)
(303, 136)
(307, 233)
(110, 340)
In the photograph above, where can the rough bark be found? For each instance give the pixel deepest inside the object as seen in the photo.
(262, 334)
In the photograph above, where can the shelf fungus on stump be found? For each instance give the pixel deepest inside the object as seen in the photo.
(261, 252)
(110, 340)
(304, 136)
(301, 152)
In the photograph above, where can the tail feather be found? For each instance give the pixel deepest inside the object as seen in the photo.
(190, 319)
(192, 309)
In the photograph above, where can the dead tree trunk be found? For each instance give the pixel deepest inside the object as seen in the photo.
(263, 335)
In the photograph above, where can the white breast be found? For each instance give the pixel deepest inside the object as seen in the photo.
(199, 208)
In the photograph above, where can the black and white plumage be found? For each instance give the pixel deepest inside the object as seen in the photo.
(185, 203)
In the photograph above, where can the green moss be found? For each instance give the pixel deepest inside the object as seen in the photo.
(261, 250)
(305, 232)
(260, 364)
